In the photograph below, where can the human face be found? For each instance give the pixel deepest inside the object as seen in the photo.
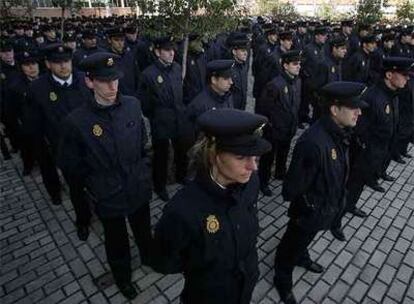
(344, 116)
(31, 70)
(89, 42)
(19, 32)
(117, 43)
(347, 30)
(221, 85)
(7, 57)
(321, 38)
(105, 90)
(339, 52)
(370, 47)
(396, 80)
(61, 69)
(229, 168)
(286, 44)
(292, 68)
(240, 55)
(272, 38)
(51, 35)
(166, 56)
(131, 37)
(302, 30)
(71, 44)
(406, 39)
(388, 44)
(40, 40)
(28, 33)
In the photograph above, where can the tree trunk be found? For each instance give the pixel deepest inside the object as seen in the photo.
(185, 50)
(62, 24)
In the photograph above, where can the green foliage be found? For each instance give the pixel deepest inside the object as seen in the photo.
(370, 11)
(405, 10)
(282, 10)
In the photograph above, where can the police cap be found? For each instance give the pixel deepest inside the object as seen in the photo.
(398, 64)
(6, 46)
(369, 39)
(27, 56)
(338, 41)
(164, 42)
(57, 52)
(348, 23)
(220, 68)
(388, 37)
(321, 30)
(286, 35)
(235, 131)
(68, 37)
(238, 40)
(115, 32)
(291, 56)
(269, 29)
(101, 65)
(344, 93)
(88, 34)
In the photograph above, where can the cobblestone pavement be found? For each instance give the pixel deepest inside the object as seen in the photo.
(44, 262)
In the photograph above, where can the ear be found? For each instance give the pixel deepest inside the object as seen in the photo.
(89, 83)
(234, 51)
(388, 75)
(157, 52)
(47, 64)
(333, 109)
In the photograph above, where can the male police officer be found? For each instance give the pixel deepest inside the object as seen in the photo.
(103, 146)
(280, 103)
(315, 182)
(161, 93)
(51, 98)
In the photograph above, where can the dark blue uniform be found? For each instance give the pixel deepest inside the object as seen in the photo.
(83, 52)
(358, 68)
(239, 89)
(126, 62)
(195, 76)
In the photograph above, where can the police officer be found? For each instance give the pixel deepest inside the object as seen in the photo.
(208, 231)
(280, 103)
(377, 131)
(195, 77)
(217, 94)
(88, 47)
(315, 182)
(161, 93)
(358, 67)
(50, 99)
(16, 101)
(240, 50)
(103, 146)
(403, 46)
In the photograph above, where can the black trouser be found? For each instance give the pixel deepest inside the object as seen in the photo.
(48, 170)
(79, 201)
(161, 157)
(292, 248)
(279, 152)
(117, 244)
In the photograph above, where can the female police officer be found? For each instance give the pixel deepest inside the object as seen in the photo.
(208, 230)
(102, 145)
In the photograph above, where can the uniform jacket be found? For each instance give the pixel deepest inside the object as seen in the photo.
(402, 50)
(161, 93)
(49, 103)
(357, 68)
(83, 52)
(239, 88)
(280, 103)
(195, 76)
(315, 182)
(210, 235)
(126, 62)
(103, 147)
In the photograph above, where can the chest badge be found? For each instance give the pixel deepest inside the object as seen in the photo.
(333, 70)
(3, 76)
(286, 90)
(53, 96)
(212, 224)
(387, 109)
(160, 79)
(363, 63)
(316, 52)
(192, 62)
(97, 130)
(333, 154)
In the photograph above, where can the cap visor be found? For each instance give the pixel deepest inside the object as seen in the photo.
(261, 147)
(110, 76)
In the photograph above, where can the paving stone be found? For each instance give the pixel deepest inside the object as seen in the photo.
(358, 291)
(377, 291)
(318, 291)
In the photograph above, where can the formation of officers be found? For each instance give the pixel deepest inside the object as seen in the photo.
(76, 104)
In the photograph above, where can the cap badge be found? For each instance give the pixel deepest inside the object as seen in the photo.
(333, 69)
(259, 130)
(363, 63)
(286, 90)
(97, 130)
(192, 62)
(387, 109)
(84, 56)
(53, 96)
(213, 224)
(60, 49)
(316, 52)
(110, 62)
(160, 79)
(333, 154)
(268, 50)
(26, 54)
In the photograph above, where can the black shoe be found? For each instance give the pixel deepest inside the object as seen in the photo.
(338, 234)
(163, 195)
(399, 160)
(129, 291)
(376, 187)
(387, 178)
(311, 266)
(83, 232)
(358, 212)
(406, 155)
(286, 294)
(266, 191)
(56, 200)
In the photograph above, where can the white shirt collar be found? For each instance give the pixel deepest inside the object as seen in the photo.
(61, 81)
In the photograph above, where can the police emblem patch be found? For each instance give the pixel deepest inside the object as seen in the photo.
(110, 62)
(192, 62)
(333, 69)
(97, 130)
(60, 49)
(213, 224)
(53, 96)
(160, 79)
(387, 109)
(2, 76)
(333, 154)
(286, 90)
(316, 52)
(363, 63)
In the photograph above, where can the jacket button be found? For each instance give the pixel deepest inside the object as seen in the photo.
(238, 227)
